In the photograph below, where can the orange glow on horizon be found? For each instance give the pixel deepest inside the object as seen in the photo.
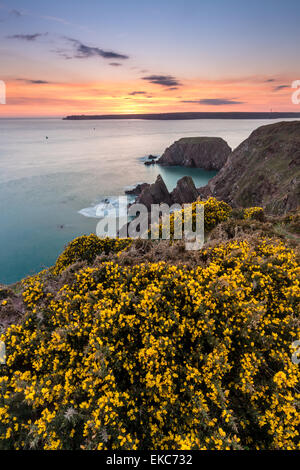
(25, 99)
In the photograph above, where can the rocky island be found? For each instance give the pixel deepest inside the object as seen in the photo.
(209, 153)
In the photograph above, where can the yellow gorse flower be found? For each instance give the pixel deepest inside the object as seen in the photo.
(155, 356)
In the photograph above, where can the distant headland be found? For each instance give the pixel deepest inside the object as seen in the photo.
(182, 116)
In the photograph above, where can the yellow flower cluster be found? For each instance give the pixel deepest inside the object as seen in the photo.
(155, 356)
(33, 289)
(253, 212)
(215, 211)
(86, 248)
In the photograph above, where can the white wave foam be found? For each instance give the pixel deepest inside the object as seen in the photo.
(109, 207)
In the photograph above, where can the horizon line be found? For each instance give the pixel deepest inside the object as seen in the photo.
(192, 114)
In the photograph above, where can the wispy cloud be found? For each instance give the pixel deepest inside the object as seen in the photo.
(163, 80)
(115, 64)
(82, 51)
(18, 13)
(10, 12)
(214, 101)
(27, 37)
(33, 81)
(63, 53)
(134, 93)
(55, 19)
(141, 95)
(281, 87)
(15, 13)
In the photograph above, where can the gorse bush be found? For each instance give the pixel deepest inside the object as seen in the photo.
(86, 248)
(214, 212)
(254, 213)
(155, 356)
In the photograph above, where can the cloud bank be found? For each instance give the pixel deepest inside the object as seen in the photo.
(82, 51)
(281, 87)
(27, 37)
(32, 81)
(213, 101)
(163, 80)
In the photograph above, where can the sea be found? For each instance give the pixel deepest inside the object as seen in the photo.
(54, 174)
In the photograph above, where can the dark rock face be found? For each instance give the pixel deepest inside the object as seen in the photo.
(156, 193)
(152, 160)
(136, 191)
(185, 191)
(263, 171)
(209, 153)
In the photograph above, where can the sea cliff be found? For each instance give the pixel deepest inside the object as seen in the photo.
(209, 153)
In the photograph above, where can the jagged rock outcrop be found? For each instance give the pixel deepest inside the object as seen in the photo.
(263, 171)
(136, 190)
(209, 153)
(156, 193)
(185, 191)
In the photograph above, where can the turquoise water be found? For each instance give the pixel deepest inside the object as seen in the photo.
(44, 183)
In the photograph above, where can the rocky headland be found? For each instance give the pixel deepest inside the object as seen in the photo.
(264, 170)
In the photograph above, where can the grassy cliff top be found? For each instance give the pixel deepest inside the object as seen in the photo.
(198, 140)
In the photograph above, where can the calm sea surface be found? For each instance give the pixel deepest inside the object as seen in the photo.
(45, 183)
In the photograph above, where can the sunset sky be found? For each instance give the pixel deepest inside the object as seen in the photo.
(136, 56)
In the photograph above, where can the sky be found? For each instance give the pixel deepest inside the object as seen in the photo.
(136, 56)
